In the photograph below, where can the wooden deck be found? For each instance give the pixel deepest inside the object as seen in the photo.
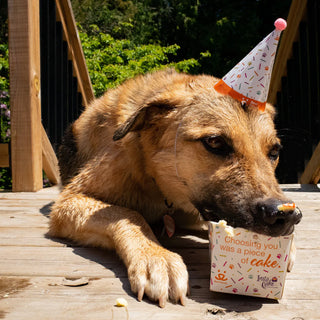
(43, 278)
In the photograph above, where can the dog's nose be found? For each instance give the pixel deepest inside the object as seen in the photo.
(278, 215)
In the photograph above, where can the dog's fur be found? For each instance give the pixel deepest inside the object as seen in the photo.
(164, 138)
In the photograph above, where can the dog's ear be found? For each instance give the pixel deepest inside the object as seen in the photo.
(139, 118)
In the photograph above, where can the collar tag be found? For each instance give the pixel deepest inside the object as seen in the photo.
(169, 225)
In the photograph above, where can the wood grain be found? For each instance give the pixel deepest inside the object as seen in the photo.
(4, 155)
(49, 159)
(24, 61)
(311, 173)
(34, 267)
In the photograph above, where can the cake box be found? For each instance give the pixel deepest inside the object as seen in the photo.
(247, 263)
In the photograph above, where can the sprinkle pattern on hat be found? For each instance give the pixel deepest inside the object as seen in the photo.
(249, 80)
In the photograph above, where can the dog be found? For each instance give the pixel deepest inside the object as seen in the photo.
(161, 140)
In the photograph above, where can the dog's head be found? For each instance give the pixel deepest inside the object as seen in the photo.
(210, 154)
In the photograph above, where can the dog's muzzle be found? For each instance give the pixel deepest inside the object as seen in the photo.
(264, 216)
(271, 219)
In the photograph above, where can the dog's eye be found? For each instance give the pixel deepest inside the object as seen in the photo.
(274, 152)
(217, 145)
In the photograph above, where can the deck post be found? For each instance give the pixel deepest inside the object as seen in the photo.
(24, 58)
(4, 155)
(311, 174)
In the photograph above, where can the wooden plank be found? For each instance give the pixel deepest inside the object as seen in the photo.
(49, 159)
(100, 307)
(31, 237)
(21, 219)
(58, 261)
(61, 260)
(48, 297)
(65, 15)
(296, 14)
(311, 173)
(20, 203)
(4, 155)
(33, 270)
(24, 58)
(35, 236)
(47, 193)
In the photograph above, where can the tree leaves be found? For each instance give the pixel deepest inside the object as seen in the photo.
(111, 61)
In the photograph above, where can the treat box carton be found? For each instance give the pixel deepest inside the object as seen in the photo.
(247, 263)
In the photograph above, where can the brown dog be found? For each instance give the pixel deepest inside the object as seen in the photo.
(158, 139)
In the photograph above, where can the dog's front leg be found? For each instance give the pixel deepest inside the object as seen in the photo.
(152, 269)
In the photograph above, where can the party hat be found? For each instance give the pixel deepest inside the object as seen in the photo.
(249, 80)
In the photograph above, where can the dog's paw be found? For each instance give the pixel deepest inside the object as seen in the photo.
(161, 275)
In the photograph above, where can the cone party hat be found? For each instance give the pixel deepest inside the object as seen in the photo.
(249, 80)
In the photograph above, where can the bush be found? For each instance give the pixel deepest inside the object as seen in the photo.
(112, 61)
(4, 95)
(5, 133)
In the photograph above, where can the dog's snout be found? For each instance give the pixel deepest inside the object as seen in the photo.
(279, 216)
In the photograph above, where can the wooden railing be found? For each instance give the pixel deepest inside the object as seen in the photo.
(65, 85)
(297, 12)
(31, 149)
(295, 90)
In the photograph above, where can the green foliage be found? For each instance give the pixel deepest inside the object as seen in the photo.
(112, 61)
(228, 30)
(4, 66)
(5, 179)
(3, 22)
(4, 96)
(4, 117)
(112, 16)
(5, 133)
